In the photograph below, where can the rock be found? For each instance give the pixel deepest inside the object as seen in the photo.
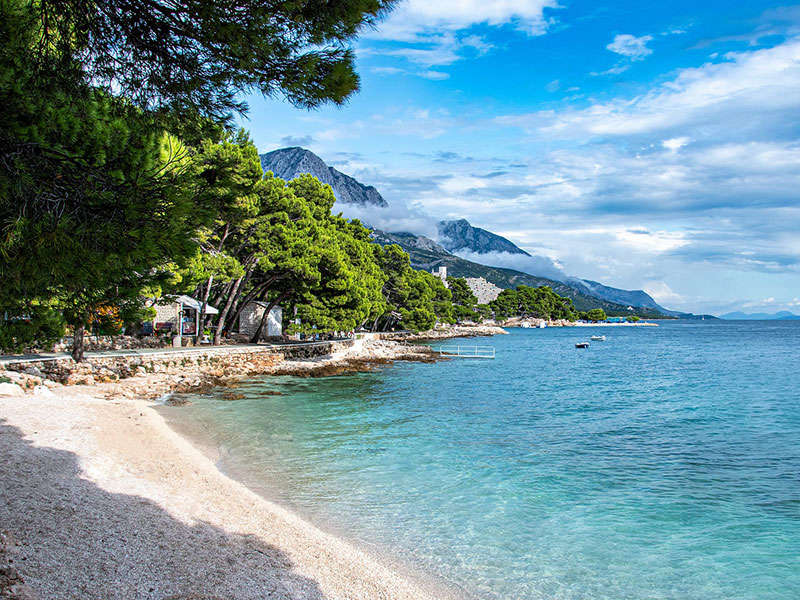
(11, 389)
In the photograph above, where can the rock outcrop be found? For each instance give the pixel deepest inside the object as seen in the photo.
(288, 163)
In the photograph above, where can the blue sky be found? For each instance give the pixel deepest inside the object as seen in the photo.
(644, 144)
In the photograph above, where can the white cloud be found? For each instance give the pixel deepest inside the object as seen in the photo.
(662, 293)
(631, 46)
(750, 92)
(675, 144)
(412, 20)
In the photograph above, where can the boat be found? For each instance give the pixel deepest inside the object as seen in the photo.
(598, 338)
(582, 345)
(525, 325)
(542, 324)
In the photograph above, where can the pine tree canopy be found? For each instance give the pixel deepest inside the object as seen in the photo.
(195, 57)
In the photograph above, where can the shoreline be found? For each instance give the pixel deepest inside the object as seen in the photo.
(127, 506)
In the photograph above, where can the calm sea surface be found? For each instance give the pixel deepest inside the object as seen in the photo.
(662, 463)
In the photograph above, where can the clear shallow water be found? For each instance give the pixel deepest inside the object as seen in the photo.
(662, 463)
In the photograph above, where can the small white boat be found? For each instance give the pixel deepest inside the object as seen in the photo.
(525, 325)
(582, 345)
(542, 324)
(598, 338)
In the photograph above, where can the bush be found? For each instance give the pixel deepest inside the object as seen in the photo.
(596, 314)
(39, 328)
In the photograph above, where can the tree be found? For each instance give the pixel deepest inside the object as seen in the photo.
(197, 57)
(596, 314)
(633, 319)
(461, 293)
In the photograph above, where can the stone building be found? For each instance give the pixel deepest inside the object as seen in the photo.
(183, 308)
(441, 273)
(484, 291)
(250, 319)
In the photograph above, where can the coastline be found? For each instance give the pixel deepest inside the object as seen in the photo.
(128, 507)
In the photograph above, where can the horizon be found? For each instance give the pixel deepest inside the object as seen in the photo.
(645, 147)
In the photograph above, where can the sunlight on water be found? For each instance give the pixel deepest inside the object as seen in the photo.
(662, 463)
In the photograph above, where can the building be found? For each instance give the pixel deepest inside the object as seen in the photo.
(484, 291)
(250, 319)
(441, 273)
(183, 309)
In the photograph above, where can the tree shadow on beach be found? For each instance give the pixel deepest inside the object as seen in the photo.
(80, 541)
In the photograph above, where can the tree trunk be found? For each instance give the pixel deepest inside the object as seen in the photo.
(78, 345)
(201, 318)
(223, 315)
(265, 317)
(252, 295)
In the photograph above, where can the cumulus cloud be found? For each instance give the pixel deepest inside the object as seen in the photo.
(412, 20)
(541, 266)
(631, 46)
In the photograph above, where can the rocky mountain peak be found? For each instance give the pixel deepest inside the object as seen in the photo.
(288, 163)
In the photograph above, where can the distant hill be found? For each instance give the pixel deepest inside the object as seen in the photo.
(638, 298)
(288, 163)
(428, 255)
(783, 315)
(460, 235)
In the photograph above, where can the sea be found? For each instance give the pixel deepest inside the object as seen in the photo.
(661, 463)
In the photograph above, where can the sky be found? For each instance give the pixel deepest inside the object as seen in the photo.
(646, 145)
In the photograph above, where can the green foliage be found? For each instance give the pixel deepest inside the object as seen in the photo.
(197, 58)
(461, 293)
(596, 314)
(35, 326)
(525, 301)
(633, 319)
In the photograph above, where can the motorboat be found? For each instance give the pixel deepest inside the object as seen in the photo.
(582, 345)
(598, 338)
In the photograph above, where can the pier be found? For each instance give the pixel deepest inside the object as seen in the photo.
(461, 351)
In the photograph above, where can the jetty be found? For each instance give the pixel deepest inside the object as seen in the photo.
(469, 351)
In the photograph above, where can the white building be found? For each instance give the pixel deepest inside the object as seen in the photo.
(441, 273)
(250, 319)
(484, 291)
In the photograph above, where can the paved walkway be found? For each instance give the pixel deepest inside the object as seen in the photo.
(226, 349)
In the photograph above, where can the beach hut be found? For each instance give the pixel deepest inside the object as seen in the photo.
(250, 319)
(182, 309)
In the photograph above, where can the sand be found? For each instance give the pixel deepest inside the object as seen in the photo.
(104, 500)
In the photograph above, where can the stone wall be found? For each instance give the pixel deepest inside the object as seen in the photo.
(222, 361)
(227, 361)
(484, 291)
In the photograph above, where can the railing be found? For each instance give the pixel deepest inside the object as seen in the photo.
(467, 351)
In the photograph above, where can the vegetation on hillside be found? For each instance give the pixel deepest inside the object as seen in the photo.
(121, 179)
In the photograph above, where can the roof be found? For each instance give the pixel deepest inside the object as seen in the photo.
(196, 304)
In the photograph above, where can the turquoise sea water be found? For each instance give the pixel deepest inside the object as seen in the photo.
(662, 463)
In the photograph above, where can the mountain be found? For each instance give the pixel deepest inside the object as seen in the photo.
(428, 255)
(783, 315)
(460, 235)
(288, 163)
(637, 298)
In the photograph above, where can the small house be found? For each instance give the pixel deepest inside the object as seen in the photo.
(250, 319)
(182, 309)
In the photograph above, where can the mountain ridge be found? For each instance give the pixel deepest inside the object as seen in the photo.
(288, 163)
(455, 235)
